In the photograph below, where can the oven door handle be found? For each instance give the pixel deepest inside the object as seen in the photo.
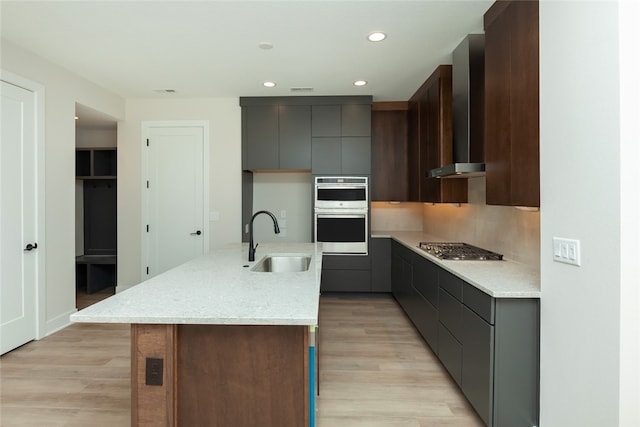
(341, 215)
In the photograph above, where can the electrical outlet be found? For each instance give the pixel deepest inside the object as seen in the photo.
(283, 213)
(282, 223)
(153, 370)
(566, 250)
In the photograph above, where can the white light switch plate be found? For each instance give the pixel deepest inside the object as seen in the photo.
(566, 250)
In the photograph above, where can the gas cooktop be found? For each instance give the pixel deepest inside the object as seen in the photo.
(458, 251)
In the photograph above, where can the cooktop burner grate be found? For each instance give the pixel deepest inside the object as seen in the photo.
(458, 251)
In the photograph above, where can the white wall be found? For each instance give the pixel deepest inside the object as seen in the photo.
(629, 31)
(580, 147)
(275, 192)
(62, 90)
(90, 137)
(225, 197)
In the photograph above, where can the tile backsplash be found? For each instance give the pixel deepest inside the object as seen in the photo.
(513, 232)
(504, 229)
(396, 216)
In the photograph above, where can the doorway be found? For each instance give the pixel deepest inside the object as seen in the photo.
(96, 206)
(175, 194)
(22, 212)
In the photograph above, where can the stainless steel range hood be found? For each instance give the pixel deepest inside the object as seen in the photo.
(468, 111)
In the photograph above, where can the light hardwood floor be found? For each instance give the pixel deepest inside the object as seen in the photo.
(375, 371)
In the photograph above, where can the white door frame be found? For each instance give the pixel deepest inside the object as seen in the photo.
(146, 127)
(38, 95)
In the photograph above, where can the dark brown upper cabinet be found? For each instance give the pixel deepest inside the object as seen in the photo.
(389, 151)
(430, 141)
(512, 131)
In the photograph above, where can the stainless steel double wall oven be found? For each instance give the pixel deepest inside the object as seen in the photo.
(341, 214)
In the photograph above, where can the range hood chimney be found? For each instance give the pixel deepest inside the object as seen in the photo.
(468, 111)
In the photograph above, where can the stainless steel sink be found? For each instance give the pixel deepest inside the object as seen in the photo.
(283, 263)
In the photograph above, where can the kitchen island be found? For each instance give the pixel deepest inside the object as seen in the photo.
(215, 343)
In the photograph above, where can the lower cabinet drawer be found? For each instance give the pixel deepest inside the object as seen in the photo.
(450, 353)
(345, 281)
(425, 319)
(450, 312)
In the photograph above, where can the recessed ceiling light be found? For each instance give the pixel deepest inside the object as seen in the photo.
(268, 84)
(376, 36)
(360, 82)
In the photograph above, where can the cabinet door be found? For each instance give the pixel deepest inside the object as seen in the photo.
(525, 129)
(425, 279)
(345, 281)
(326, 120)
(356, 155)
(389, 154)
(497, 110)
(512, 104)
(477, 363)
(380, 264)
(450, 312)
(356, 120)
(425, 318)
(450, 353)
(262, 137)
(295, 136)
(402, 274)
(326, 156)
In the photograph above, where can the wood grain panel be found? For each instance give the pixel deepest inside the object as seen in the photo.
(497, 112)
(389, 155)
(525, 128)
(434, 138)
(255, 375)
(152, 405)
(512, 104)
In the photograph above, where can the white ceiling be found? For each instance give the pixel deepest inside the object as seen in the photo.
(210, 48)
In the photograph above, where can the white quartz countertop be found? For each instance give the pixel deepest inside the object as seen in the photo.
(220, 288)
(500, 279)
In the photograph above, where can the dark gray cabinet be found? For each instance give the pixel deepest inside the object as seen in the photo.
(490, 346)
(341, 139)
(327, 120)
(277, 137)
(326, 155)
(477, 366)
(295, 136)
(425, 291)
(380, 264)
(96, 267)
(261, 129)
(346, 273)
(327, 135)
(401, 275)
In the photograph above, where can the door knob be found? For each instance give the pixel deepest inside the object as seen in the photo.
(197, 233)
(30, 247)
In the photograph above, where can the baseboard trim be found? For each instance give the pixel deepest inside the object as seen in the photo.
(59, 322)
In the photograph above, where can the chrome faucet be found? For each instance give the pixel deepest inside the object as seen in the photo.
(276, 229)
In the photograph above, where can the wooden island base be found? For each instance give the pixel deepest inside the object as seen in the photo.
(219, 375)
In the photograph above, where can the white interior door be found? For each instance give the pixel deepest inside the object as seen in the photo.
(175, 197)
(18, 218)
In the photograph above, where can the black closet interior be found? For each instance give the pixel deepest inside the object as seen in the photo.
(96, 268)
